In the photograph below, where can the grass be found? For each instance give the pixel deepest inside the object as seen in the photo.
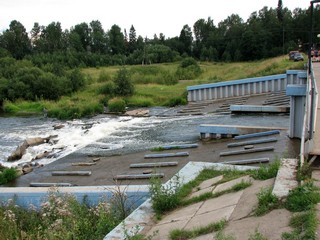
(304, 226)
(179, 234)
(266, 202)
(155, 85)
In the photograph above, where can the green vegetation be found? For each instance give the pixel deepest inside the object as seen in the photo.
(257, 236)
(304, 225)
(7, 175)
(164, 197)
(117, 105)
(61, 216)
(237, 187)
(191, 234)
(266, 202)
(302, 198)
(101, 85)
(267, 171)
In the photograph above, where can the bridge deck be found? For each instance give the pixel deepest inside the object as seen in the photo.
(316, 145)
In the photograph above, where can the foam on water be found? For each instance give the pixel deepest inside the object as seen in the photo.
(124, 134)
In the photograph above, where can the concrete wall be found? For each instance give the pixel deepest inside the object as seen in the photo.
(249, 86)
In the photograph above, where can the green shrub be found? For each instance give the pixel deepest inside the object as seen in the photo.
(189, 61)
(164, 197)
(108, 88)
(266, 202)
(10, 107)
(123, 84)
(267, 171)
(140, 101)
(176, 101)
(304, 225)
(7, 175)
(302, 198)
(117, 105)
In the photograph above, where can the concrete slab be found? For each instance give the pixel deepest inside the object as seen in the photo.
(209, 236)
(249, 200)
(286, 177)
(228, 185)
(210, 182)
(200, 192)
(223, 201)
(205, 219)
(316, 177)
(162, 232)
(181, 214)
(271, 225)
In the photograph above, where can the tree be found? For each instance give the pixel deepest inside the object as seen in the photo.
(116, 40)
(84, 36)
(98, 39)
(186, 39)
(132, 39)
(35, 34)
(51, 38)
(16, 40)
(280, 11)
(124, 86)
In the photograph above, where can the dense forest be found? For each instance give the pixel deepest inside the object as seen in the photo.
(32, 63)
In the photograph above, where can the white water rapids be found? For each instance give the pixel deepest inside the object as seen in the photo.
(124, 134)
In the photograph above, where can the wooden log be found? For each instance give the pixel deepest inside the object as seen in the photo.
(149, 165)
(180, 146)
(258, 134)
(252, 142)
(254, 150)
(138, 176)
(71, 173)
(165, 155)
(247, 161)
(84, 164)
(35, 184)
(96, 159)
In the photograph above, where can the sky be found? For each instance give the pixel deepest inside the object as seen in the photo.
(148, 17)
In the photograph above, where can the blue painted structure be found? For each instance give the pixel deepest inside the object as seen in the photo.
(216, 130)
(258, 134)
(180, 146)
(26, 196)
(249, 86)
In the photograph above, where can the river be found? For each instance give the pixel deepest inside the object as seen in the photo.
(113, 133)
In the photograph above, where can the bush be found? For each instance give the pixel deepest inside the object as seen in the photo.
(124, 86)
(108, 88)
(176, 101)
(267, 171)
(117, 105)
(266, 202)
(302, 198)
(140, 101)
(7, 175)
(164, 197)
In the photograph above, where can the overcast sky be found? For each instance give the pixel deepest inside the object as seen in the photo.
(148, 17)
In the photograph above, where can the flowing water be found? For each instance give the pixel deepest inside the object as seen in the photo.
(110, 133)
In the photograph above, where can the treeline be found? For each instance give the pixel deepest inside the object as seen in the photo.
(43, 63)
(266, 33)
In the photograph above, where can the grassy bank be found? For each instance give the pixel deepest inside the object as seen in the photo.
(155, 85)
